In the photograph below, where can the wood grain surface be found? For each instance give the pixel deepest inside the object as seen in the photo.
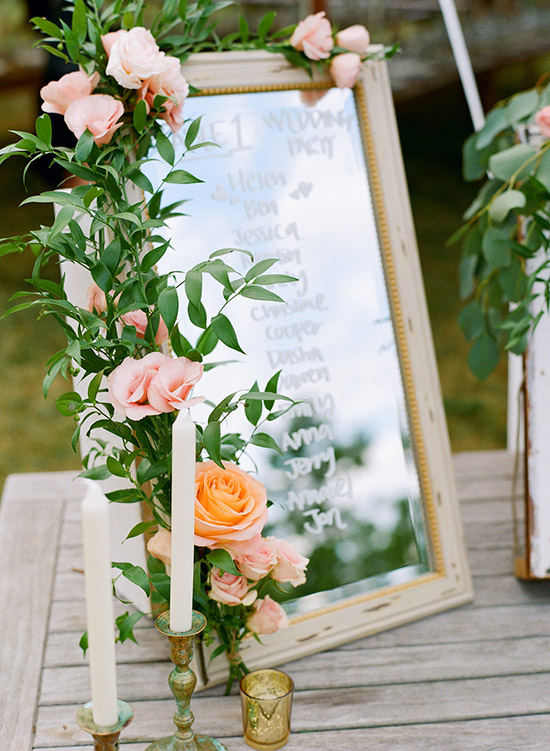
(472, 679)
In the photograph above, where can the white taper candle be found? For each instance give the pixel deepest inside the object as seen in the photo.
(463, 62)
(99, 606)
(183, 522)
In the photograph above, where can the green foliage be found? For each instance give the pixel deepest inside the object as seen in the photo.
(505, 229)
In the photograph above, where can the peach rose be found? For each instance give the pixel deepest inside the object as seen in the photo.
(99, 113)
(134, 57)
(109, 39)
(160, 546)
(542, 119)
(58, 95)
(291, 565)
(268, 617)
(95, 299)
(230, 505)
(172, 383)
(171, 84)
(313, 37)
(255, 558)
(128, 385)
(354, 39)
(138, 319)
(345, 68)
(230, 589)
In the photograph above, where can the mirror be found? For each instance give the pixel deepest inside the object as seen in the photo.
(311, 175)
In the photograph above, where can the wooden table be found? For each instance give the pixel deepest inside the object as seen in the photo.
(473, 679)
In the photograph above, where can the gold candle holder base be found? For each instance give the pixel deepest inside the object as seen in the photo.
(182, 682)
(105, 738)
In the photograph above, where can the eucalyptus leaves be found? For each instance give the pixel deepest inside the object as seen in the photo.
(505, 241)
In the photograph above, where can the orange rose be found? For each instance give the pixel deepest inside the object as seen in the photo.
(230, 505)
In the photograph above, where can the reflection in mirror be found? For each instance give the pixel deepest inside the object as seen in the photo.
(288, 180)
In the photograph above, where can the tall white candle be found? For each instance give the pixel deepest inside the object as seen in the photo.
(183, 522)
(463, 63)
(99, 606)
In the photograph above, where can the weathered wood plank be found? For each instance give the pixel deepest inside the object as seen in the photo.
(356, 667)
(497, 463)
(332, 709)
(28, 547)
(466, 624)
(504, 734)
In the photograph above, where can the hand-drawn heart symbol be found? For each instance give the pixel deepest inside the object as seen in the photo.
(219, 194)
(303, 190)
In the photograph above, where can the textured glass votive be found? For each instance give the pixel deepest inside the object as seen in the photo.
(266, 697)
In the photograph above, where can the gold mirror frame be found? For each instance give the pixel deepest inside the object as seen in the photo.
(448, 583)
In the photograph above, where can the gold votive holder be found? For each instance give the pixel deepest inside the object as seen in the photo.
(266, 698)
(105, 738)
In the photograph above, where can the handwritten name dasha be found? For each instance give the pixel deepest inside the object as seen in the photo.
(293, 356)
(299, 466)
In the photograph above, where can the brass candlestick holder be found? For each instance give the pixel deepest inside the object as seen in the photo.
(105, 738)
(182, 682)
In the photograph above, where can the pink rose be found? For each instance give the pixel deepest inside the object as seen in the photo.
(313, 37)
(310, 97)
(354, 39)
(128, 385)
(291, 565)
(58, 95)
(345, 68)
(542, 119)
(172, 383)
(134, 57)
(230, 505)
(138, 319)
(160, 546)
(99, 113)
(95, 299)
(268, 617)
(109, 39)
(255, 558)
(230, 589)
(170, 83)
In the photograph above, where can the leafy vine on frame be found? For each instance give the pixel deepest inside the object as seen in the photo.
(126, 93)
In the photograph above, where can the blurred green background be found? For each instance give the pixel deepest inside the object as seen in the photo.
(433, 122)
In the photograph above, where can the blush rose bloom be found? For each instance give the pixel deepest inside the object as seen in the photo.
(291, 565)
(230, 505)
(99, 113)
(134, 57)
(172, 383)
(128, 385)
(345, 69)
(313, 37)
(268, 617)
(170, 83)
(58, 95)
(354, 39)
(95, 299)
(542, 119)
(254, 558)
(109, 39)
(160, 546)
(138, 319)
(230, 589)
